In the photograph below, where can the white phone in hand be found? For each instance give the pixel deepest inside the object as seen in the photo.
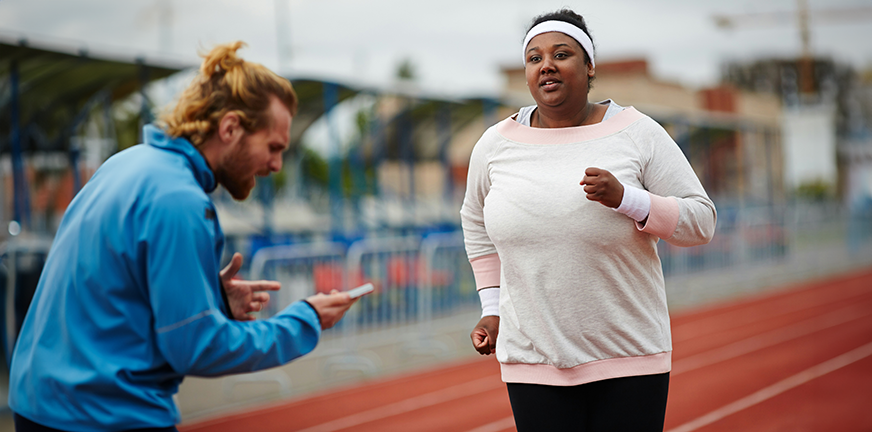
(361, 290)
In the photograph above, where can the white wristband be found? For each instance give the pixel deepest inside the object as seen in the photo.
(490, 301)
(636, 203)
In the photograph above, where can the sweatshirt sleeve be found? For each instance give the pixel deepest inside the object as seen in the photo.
(192, 333)
(681, 212)
(480, 249)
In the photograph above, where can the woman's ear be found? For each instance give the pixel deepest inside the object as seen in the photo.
(591, 71)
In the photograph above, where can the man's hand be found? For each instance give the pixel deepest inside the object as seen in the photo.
(331, 308)
(484, 335)
(601, 186)
(245, 296)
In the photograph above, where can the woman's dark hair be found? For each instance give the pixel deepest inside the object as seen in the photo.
(568, 16)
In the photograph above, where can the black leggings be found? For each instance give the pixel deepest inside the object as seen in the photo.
(22, 424)
(636, 403)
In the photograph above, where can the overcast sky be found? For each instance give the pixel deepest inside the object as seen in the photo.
(456, 46)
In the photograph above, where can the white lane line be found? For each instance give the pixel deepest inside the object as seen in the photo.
(480, 385)
(700, 327)
(771, 338)
(778, 388)
(497, 426)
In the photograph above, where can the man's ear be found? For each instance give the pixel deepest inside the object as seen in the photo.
(229, 128)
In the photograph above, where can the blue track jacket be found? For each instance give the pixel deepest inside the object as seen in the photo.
(129, 301)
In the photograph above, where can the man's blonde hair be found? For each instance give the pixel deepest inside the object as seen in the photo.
(227, 83)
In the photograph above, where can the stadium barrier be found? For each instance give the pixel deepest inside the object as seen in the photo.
(416, 279)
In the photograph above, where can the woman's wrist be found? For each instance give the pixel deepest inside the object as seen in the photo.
(636, 203)
(490, 301)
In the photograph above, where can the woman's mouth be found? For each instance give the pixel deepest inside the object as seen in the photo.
(549, 85)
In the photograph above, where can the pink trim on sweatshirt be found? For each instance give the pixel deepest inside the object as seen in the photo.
(517, 132)
(589, 372)
(662, 218)
(486, 270)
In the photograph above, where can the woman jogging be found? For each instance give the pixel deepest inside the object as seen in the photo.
(564, 206)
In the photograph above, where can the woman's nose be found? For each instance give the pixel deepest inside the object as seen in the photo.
(546, 66)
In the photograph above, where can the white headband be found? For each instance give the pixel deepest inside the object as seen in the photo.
(562, 27)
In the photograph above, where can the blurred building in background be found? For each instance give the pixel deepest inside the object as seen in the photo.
(827, 123)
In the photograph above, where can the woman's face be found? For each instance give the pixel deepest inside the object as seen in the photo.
(557, 74)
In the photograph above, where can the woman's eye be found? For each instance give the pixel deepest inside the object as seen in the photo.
(560, 55)
(534, 59)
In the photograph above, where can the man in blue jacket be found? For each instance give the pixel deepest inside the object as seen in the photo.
(130, 299)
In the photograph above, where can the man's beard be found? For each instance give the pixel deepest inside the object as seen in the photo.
(236, 172)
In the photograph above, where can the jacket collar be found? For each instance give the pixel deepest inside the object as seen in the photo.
(156, 137)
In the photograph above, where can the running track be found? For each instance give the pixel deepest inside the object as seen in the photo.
(799, 359)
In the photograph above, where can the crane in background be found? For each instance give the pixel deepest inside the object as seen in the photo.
(801, 17)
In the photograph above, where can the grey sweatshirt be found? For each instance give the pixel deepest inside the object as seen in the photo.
(582, 294)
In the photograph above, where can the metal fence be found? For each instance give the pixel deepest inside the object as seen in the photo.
(766, 234)
(419, 278)
(416, 278)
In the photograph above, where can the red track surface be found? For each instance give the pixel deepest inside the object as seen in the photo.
(796, 360)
